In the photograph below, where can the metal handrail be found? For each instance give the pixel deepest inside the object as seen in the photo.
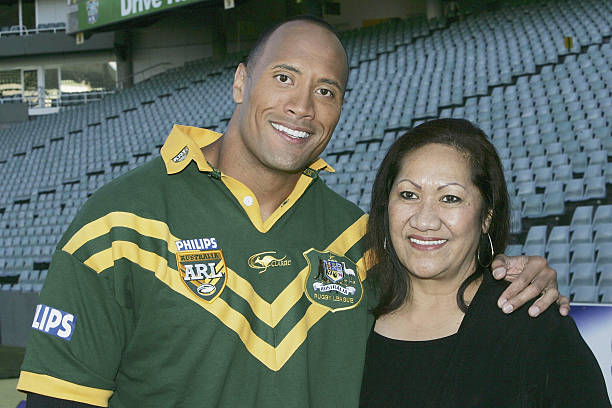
(23, 30)
(63, 99)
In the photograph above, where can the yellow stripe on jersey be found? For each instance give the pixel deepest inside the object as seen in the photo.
(272, 357)
(293, 292)
(144, 226)
(56, 388)
(269, 313)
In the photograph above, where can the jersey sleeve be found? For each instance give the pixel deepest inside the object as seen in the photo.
(77, 336)
(42, 401)
(574, 376)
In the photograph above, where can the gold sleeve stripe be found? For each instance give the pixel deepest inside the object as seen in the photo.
(363, 271)
(144, 226)
(56, 388)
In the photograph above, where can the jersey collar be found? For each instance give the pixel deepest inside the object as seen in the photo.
(185, 143)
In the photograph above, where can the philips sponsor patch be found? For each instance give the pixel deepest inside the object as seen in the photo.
(197, 244)
(54, 321)
(201, 267)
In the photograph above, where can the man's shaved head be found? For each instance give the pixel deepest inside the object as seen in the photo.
(259, 46)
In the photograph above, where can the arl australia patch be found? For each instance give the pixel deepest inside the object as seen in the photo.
(333, 281)
(202, 271)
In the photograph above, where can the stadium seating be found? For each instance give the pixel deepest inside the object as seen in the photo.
(547, 110)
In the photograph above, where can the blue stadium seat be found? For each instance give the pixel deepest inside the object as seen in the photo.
(563, 273)
(581, 234)
(543, 176)
(604, 253)
(563, 173)
(603, 214)
(558, 253)
(584, 274)
(554, 203)
(584, 293)
(582, 253)
(533, 206)
(534, 250)
(574, 190)
(583, 215)
(536, 235)
(595, 187)
(514, 250)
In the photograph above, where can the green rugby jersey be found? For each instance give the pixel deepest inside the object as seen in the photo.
(168, 290)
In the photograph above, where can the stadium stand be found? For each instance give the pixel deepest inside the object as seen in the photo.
(547, 109)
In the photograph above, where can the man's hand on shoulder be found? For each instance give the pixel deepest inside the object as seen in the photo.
(531, 276)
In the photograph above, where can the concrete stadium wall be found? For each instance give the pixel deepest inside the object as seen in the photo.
(53, 43)
(176, 38)
(354, 13)
(57, 59)
(16, 315)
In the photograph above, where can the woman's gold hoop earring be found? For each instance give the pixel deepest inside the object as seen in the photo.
(492, 253)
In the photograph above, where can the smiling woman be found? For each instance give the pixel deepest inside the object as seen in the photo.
(440, 212)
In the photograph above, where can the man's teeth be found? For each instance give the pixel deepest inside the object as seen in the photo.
(290, 132)
(418, 241)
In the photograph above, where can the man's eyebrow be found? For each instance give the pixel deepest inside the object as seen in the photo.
(331, 82)
(288, 68)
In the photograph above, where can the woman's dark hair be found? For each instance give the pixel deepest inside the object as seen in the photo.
(390, 276)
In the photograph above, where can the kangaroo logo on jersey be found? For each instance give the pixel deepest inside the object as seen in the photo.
(203, 272)
(265, 260)
(332, 280)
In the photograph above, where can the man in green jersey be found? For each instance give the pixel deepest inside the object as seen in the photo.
(225, 273)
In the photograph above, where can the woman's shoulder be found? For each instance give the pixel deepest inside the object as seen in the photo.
(519, 319)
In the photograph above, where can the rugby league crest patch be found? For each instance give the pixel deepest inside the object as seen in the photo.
(333, 281)
(202, 267)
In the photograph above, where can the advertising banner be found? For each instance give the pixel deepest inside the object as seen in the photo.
(595, 325)
(98, 13)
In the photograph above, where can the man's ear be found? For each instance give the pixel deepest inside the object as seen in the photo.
(487, 222)
(240, 78)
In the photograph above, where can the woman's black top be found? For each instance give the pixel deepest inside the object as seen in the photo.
(400, 373)
(494, 360)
